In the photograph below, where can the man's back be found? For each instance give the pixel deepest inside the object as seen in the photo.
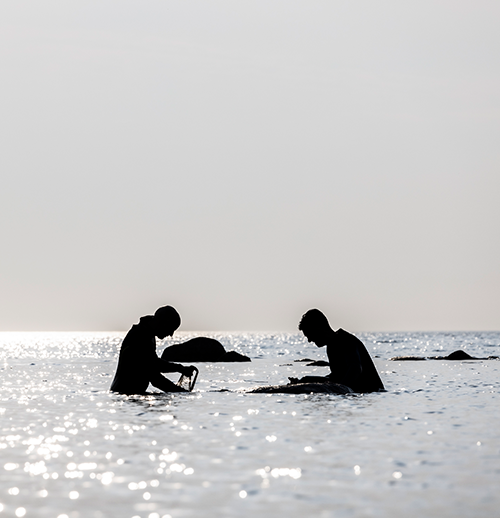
(351, 364)
(137, 357)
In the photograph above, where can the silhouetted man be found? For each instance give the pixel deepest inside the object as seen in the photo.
(138, 364)
(350, 363)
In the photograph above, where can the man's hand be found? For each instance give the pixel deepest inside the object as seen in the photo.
(188, 370)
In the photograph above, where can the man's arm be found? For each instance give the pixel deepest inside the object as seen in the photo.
(164, 366)
(160, 382)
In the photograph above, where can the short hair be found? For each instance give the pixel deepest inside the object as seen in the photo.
(168, 313)
(313, 318)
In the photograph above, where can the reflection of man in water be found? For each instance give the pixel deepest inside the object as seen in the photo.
(350, 363)
(138, 364)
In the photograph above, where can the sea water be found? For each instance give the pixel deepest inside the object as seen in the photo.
(427, 447)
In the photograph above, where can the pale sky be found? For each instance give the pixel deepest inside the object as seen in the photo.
(245, 161)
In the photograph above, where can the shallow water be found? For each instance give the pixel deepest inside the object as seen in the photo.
(429, 446)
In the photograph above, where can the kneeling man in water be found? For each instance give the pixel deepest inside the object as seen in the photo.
(138, 364)
(350, 362)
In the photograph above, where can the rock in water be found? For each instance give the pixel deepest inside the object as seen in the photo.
(303, 388)
(201, 349)
(407, 358)
(455, 355)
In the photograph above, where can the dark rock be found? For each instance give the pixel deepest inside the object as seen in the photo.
(455, 355)
(407, 358)
(233, 356)
(303, 388)
(201, 349)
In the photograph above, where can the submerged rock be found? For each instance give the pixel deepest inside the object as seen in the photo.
(303, 388)
(314, 363)
(407, 358)
(455, 355)
(233, 356)
(461, 355)
(318, 363)
(201, 349)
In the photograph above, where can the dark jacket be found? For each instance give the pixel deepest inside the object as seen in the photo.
(138, 364)
(351, 364)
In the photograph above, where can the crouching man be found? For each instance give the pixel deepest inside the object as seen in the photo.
(350, 362)
(138, 364)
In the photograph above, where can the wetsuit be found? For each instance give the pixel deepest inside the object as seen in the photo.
(351, 364)
(138, 364)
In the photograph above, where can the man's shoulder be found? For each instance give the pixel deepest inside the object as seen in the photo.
(141, 330)
(342, 333)
(144, 324)
(348, 338)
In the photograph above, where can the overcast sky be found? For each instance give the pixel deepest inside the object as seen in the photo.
(245, 161)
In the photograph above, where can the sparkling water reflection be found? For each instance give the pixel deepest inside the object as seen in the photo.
(428, 446)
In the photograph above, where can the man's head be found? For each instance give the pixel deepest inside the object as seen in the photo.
(315, 327)
(166, 321)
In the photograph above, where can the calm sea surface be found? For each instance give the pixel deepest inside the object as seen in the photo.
(428, 447)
